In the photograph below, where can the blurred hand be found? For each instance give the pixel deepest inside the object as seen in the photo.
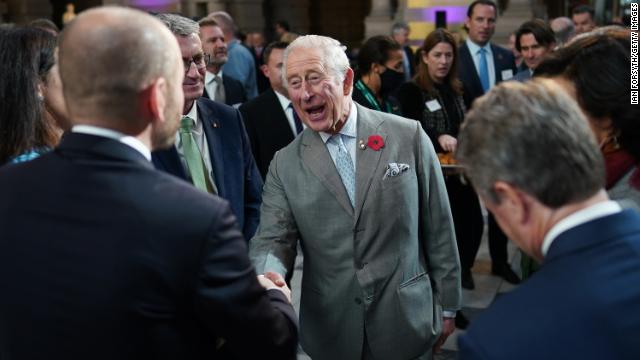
(448, 325)
(448, 143)
(272, 280)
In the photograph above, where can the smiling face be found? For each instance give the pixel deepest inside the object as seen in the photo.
(439, 61)
(481, 24)
(532, 51)
(321, 100)
(193, 83)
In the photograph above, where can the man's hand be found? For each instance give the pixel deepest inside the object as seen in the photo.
(272, 280)
(448, 325)
(447, 142)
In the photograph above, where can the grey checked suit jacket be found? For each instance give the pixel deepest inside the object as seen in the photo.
(388, 267)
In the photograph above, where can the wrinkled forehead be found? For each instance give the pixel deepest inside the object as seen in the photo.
(301, 61)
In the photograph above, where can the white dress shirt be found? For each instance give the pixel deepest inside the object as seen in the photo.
(349, 132)
(115, 135)
(288, 111)
(210, 84)
(474, 50)
(580, 217)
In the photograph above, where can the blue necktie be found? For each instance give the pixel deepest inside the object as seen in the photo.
(296, 119)
(484, 70)
(344, 165)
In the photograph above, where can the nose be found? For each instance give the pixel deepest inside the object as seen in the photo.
(194, 73)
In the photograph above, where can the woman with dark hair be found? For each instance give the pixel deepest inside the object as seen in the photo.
(434, 98)
(379, 74)
(595, 69)
(26, 58)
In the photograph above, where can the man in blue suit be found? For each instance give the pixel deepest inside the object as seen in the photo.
(212, 150)
(481, 66)
(536, 165)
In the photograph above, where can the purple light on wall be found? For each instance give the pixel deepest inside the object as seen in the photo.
(455, 14)
(151, 3)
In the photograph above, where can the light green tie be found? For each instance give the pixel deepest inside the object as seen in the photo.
(192, 155)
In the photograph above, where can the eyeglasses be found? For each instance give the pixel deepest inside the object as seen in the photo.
(199, 60)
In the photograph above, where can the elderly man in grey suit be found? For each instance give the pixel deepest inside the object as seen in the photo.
(364, 193)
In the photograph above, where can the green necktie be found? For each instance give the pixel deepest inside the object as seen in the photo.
(192, 155)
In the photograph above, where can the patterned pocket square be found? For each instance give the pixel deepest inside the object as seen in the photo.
(395, 169)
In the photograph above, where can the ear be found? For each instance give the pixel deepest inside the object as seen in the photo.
(467, 21)
(513, 202)
(347, 85)
(42, 87)
(265, 70)
(424, 56)
(155, 100)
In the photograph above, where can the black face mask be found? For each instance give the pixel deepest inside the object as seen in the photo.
(390, 81)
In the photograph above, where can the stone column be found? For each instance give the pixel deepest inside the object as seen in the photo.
(380, 19)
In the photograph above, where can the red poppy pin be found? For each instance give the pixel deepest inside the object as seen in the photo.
(375, 142)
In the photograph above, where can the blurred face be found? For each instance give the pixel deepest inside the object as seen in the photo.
(439, 61)
(192, 54)
(512, 47)
(164, 133)
(322, 102)
(273, 70)
(481, 24)
(53, 97)
(401, 36)
(395, 61)
(583, 23)
(532, 51)
(213, 44)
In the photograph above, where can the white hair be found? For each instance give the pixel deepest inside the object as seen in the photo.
(333, 56)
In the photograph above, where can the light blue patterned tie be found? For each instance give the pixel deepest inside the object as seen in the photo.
(345, 167)
(484, 70)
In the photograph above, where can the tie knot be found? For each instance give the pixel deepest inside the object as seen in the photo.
(186, 124)
(217, 79)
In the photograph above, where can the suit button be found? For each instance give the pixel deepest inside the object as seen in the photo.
(358, 301)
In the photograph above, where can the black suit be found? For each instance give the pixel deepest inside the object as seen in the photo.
(503, 60)
(110, 259)
(233, 91)
(267, 126)
(235, 172)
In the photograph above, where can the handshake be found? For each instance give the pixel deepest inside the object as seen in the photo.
(271, 280)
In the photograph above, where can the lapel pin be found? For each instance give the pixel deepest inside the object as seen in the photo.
(362, 145)
(215, 124)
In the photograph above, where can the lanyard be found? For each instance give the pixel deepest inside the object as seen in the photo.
(370, 98)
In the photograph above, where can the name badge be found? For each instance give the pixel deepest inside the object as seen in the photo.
(433, 105)
(507, 74)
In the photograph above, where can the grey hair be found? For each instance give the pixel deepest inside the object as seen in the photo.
(334, 57)
(563, 29)
(399, 26)
(179, 25)
(534, 137)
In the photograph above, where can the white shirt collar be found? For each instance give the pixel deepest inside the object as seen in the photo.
(284, 102)
(193, 113)
(209, 76)
(350, 128)
(115, 135)
(474, 48)
(592, 212)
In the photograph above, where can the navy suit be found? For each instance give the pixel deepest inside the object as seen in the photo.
(502, 60)
(583, 303)
(267, 126)
(110, 259)
(472, 88)
(236, 175)
(233, 91)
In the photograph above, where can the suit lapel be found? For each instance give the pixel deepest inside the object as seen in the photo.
(212, 130)
(498, 59)
(169, 160)
(279, 128)
(368, 159)
(470, 67)
(316, 156)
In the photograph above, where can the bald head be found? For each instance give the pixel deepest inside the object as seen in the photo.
(109, 56)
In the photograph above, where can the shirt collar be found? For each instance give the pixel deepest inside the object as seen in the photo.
(592, 212)
(209, 76)
(349, 129)
(193, 113)
(474, 48)
(115, 135)
(284, 102)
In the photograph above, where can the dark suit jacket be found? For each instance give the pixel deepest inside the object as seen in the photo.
(111, 259)
(584, 302)
(236, 174)
(233, 91)
(411, 56)
(267, 126)
(502, 59)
